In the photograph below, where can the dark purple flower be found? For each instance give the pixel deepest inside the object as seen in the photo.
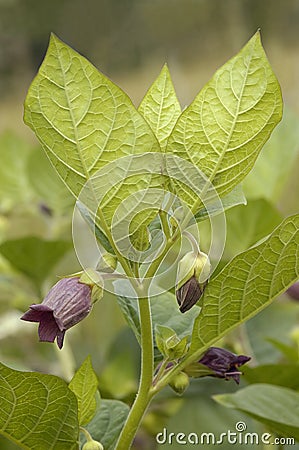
(218, 362)
(66, 304)
(189, 294)
(223, 363)
(293, 291)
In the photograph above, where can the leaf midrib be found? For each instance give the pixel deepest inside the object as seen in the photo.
(78, 145)
(223, 153)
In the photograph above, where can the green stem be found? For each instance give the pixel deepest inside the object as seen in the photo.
(161, 371)
(121, 259)
(143, 396)
(86, 434)
(165, 224)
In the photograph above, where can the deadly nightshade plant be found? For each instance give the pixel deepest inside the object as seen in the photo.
(143, 179)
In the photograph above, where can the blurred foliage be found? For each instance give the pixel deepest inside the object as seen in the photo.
(138, 36)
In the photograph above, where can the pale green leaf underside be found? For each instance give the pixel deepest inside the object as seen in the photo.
(84, 122)
(264, 403)
(84, 384)
(233, 198)
(224, 129)
(248, 284)
(108, 422)
(37, 411)
(160, 107)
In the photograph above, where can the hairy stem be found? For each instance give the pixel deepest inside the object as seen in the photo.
(143, 396)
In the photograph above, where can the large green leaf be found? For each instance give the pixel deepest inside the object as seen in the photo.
(84, 122)
(275, 406)
(33, 256)
(165, 312)
(14, 186)
(266, 326)
(203, 421)
(37, 411)
(247, 284)
(223, 130)
(160, 107)
(84, 385)
(246, 225)
(47, 184)
(107, 423)
(276, 161)
(286, 375)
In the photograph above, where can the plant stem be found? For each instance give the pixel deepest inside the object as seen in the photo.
(165, 224)
(143, 396)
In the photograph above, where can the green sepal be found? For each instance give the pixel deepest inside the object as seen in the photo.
(169, 344)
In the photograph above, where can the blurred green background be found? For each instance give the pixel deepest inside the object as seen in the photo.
(130, 40)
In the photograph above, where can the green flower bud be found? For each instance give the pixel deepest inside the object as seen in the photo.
(169, 344)
(107, 263)
(92, 445)
(179, 383)
(193, 273)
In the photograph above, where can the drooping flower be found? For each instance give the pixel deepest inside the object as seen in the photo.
(193, 272)
(293, 291)
(218, 362)
(67, 303)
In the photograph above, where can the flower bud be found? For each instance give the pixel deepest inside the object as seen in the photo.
(169, 344)
(92, 445)
(180, 383)
(107, 263)
(66, 304)
(193, 273)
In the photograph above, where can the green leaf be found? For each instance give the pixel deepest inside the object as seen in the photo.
(276, 161)
(37, 411)
(247, 225)
(200, 415)
(289, 351)
(86, 123)
(101, 237)
(47, 184)
(266, 325)
(264, 402)
(107, 423)
(165, 312)
(278, 374)
(234, 198)
(14, 186)
(119, 377)
(84, 385)
(33, 256)
(160, 107)
(247, 284)
(224, 129)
